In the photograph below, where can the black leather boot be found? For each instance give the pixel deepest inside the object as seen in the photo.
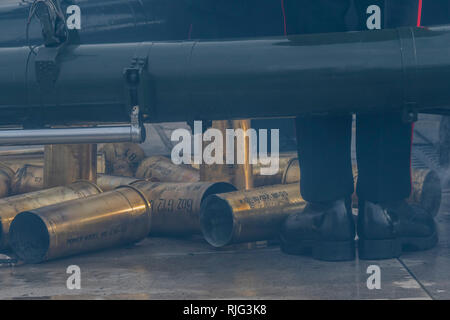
(325, 230)
(384, 230)
(377, 234)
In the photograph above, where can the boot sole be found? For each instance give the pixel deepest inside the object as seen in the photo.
(379, 249)
(419, 243)
(322, 250)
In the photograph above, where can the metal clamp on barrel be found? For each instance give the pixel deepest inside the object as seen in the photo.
(137, 128)
(135, 77)
(55, 34)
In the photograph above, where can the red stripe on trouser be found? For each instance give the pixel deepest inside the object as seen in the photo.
(419, 14)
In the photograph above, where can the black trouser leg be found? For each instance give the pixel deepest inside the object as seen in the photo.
(383, 148)
(323, 142)
(325, 226)
(325, 157)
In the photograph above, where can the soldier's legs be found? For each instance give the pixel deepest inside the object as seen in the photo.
(325, 227)
(387, 224)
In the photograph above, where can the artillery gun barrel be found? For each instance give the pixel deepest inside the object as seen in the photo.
(387, 70)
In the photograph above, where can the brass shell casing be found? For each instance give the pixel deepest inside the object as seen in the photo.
(109, 219)
(176, 207)
(161, 169)
(250, 215)
(10, 207)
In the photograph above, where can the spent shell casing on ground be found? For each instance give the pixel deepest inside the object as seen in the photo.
(176, 207)
(249, 215)
(108, 182)
(106, 220)
(162, 169)
(6, 180)
(10, 207)
(288, 172)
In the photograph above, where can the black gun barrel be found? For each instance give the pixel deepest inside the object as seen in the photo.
(368, 71)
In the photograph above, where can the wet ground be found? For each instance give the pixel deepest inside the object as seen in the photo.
(163, 268)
